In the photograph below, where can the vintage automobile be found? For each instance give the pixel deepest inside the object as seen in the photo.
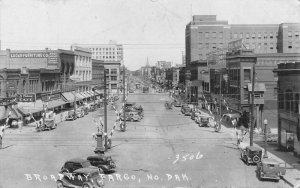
(131, 116)
(251, 155)
(168, 104)
(71, 115)
(177, 103)
(227, 118)
(186, 110)
(203, 120)
(270, 169)
(47, 124)
(85, 109)
(92, 107)
(79, 112)
(82, 177)
(76, 163)
(104, 162)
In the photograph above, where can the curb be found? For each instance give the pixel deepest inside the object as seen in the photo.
(282, 177)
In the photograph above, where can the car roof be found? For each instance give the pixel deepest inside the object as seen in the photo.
(236, 115)
(77, 160)
(96, 157)
(86, 170)
(269, 161)
(253, 148)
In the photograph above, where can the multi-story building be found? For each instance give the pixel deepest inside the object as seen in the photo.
(98, 71)
(239, 68)
(112, 76)
(205, 34)
(83, 64)
(164, 64)
(289, 106)
(107, 52)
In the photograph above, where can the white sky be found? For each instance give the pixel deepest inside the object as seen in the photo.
(147, 28)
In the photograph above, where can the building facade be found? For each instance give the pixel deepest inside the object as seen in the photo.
(163, 64)
(83, 64)
(113, 76)
(289, 106)
(107, 52)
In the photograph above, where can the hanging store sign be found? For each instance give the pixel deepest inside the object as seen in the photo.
(26, 98)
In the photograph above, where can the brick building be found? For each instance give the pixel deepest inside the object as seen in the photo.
(289, 106)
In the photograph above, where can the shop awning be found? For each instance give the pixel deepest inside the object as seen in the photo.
(91, 93)
(69, 96)
(4, 111)
(27, 108)
(87, 94)
(79, 97)
(84, 95)
(56, 103)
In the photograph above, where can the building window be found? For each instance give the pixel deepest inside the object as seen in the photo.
(113, 71)
(221, 35)
(247, 36)
(221, 45)
(265, 35)
(271, 46)
(200, 46)
(271, 35)
(241, 35)
(206, 34)
(207, 45)
(235, 35)
(290, 45)
(114, 86)
(107, 71)
(297, 44)
(253, 35)
(288, 100)
(259, 35)
(214, 45)
(290, 34)
(281, 100)
(214, 34)
(258, 45)
(247, 74)
(113, 78)
(296, 33)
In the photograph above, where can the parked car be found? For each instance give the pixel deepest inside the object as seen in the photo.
(82, 177)
(76, 163)
(79, 112)
(92, 107)
(104, 162)
(270, 169)
(186, 110)
(71, 115)
(131, 116)
(203, 120)
(177, 103)
(251, 155)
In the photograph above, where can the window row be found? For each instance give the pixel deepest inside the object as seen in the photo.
(289, 101)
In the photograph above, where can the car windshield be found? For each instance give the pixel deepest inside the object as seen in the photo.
(86, 164)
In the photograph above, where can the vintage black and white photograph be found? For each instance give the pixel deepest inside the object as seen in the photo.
(150, 93)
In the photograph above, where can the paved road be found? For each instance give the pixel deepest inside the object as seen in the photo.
(165, 149)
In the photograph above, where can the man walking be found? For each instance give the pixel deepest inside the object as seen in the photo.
(2, 129)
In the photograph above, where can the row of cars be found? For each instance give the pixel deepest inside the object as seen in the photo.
(133, 112)
(196, 114)
(85, 173)
(80, 112)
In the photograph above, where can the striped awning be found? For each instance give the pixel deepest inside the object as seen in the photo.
(69, 96)
(56, 103)
(27, 108)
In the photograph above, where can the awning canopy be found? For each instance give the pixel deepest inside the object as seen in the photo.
(56, 103)
(88, 94)
(91, 93)
(69, 96)
(79, 97)
(5, 111)
(27, 108)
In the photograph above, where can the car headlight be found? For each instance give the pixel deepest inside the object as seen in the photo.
(100, 182)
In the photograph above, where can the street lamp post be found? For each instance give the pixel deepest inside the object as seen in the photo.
(265, 123)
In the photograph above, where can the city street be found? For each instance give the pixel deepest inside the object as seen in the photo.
(165, 149)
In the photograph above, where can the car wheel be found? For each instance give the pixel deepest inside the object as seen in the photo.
(86, 186)
(59, 184)
(247, 162)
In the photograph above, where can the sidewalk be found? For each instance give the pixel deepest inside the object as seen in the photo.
(292, 176)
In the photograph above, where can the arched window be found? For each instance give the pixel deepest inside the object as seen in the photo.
(288, 100)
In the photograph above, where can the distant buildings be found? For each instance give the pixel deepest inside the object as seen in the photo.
(163, 64)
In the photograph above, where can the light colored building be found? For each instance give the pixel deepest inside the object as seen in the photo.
(83, 64)
(164, 64)
(107, 52)
(112, 76)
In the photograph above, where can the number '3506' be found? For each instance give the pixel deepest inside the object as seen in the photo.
(187, 157)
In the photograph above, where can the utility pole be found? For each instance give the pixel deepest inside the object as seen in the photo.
(252, 107)
(105, 112)
(124, 97)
